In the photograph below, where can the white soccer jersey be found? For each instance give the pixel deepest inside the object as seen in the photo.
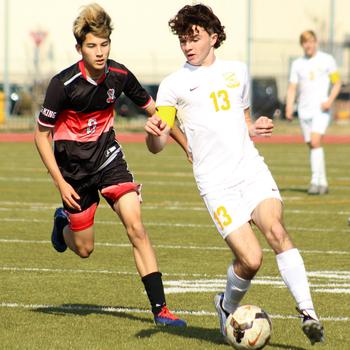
(210, 103)
(312, 75)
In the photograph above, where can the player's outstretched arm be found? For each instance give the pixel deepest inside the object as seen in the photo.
(291, 94)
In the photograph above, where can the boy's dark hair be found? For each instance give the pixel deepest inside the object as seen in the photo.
(200, 15)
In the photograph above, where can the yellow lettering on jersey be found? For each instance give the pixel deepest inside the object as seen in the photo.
(221, 212)
(222, 97)
(311, 75)
(334, 77)
(215, 101)
(167, 114)
(231, 80)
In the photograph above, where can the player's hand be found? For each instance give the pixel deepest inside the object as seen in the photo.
(155, 126)
(289, 114)
(189, 156)
(326, 106)
(263, 126)
(69, 196)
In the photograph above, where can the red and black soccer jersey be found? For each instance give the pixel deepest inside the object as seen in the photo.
(81, 111)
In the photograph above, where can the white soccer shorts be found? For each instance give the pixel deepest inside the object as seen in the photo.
(232, 207)
(318, 124)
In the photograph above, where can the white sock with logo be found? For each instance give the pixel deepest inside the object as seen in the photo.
(292, 269)
(236, 287)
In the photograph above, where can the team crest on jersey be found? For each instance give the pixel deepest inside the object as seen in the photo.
(111, 96)
(231, 80)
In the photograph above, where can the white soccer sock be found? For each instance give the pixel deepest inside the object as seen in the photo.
(314, 157)
(236, 287)
(292, 269)
(322, 168)
(318, 167)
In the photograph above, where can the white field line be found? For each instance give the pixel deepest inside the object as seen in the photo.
(150, 182)
(48, 180)
(169, 246)
(168, 205)
(322, 284)
(111, 309)
(182, 225)
(332, 291)
(301, 169)
(74, 271)
(32, 207)
(340, 275)
(320, 281)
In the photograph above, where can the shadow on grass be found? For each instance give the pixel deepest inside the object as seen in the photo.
(192, 332)
(89, 309)
(209, 335)
(201, 333)
(283, 346)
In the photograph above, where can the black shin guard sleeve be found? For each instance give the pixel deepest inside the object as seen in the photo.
(155, 290)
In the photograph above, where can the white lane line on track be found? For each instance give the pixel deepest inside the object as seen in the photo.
(111, 309)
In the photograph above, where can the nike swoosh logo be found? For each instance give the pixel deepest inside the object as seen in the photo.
(194, 88)
(253, 342)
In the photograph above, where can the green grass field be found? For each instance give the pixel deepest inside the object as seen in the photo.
(59, 301)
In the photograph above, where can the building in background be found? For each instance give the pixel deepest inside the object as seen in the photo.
(142, 39)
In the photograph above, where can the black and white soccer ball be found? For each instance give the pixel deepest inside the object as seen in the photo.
(249, 327)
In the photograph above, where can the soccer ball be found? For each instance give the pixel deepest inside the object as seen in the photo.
(249, 327)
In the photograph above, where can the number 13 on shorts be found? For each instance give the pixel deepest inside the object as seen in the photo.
(222, 217)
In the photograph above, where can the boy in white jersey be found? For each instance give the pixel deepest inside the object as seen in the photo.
(311, 77)
(210, 99)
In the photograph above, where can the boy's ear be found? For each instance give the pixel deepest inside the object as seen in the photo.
(214, 38)
(78, 48)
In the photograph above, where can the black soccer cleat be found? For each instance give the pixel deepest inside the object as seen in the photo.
(60, 221)
(222, 314)
(311, 327)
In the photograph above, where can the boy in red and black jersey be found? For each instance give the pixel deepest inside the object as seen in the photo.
(78, 112)
(81, 112)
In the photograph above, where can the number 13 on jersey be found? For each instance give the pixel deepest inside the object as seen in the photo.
(220, 100)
